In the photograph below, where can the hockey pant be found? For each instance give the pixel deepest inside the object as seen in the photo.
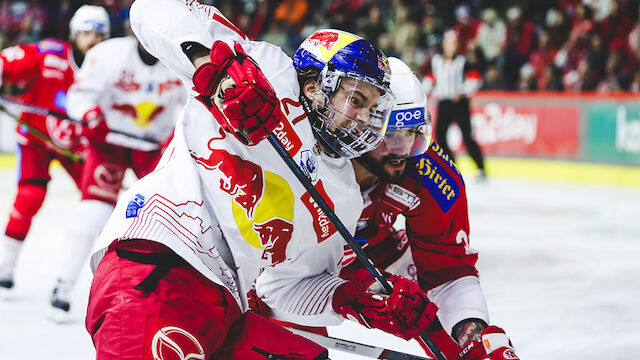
(147, 303)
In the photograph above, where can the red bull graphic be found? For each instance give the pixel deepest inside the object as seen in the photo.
(242, 179)
(321, 223)
(142, 114)
(324, 39)
(271, 228)
(127, 81)
(274, 235)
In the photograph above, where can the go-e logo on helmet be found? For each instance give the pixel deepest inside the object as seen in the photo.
(407, 118)
(174, 343)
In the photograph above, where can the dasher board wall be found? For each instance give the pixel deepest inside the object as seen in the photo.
(554, 125)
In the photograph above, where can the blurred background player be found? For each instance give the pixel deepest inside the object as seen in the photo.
(120, 87)
(452, 81)
(409, 175)
(43, 72)
(223, 213)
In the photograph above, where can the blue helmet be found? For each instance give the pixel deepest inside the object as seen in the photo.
(353, 98)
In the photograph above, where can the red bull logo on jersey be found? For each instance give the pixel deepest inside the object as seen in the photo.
(274, 236)
(241, 179)
(127, 81)
(142, 114)
(271, 226)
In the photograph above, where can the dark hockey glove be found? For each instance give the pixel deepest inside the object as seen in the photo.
(492, 345)
(235, 84)
(407, 312)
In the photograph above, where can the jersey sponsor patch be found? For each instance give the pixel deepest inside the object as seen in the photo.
(51, 46)
(402, 195)
(321, 223)
(309, 164)
(287, 136)
(443, 155)
(134, 205)
(442, 186)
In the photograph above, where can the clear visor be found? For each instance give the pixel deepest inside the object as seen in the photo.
(356, 114)
(408, 142)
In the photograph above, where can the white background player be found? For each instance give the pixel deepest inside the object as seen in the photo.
(123, 88)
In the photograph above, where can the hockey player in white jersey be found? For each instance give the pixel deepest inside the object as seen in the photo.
(222, 213)
(120, 89)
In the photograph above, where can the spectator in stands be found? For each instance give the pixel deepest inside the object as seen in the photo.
(518, 46)
(466, 27)
(635, 83)
(371, 26)
(551, 79)
(542, 57)
(528, 80)
(492, 80)
(491, 35)
(612, 80)
(582, 22)
(557, 25)
(617, 25)
(597, 55)
(403, 32)
(583, 78)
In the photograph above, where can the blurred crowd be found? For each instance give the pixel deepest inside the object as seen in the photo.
(522, 45)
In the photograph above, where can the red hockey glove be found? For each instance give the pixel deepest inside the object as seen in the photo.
(95, 127)
(405, 313)
(493, 345)
(235, 84)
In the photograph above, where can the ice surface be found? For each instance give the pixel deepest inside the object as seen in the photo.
(558, 262)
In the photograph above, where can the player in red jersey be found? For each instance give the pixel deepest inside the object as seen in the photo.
(44, 71)
(409, 175)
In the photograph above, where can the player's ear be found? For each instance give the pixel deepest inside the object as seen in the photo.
(309, 88)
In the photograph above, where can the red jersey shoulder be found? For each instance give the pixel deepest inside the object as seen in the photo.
(436, 172)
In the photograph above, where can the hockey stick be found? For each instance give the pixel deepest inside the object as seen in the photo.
(331, 215)
(43, 137)
(42, 111)
(356, 348)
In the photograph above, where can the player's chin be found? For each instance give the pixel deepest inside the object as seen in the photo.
(395, 168)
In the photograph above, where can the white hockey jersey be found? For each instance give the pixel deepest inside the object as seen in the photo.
(237, 213)
(136, 98)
